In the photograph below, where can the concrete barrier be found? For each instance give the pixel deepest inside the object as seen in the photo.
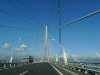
(11, 65)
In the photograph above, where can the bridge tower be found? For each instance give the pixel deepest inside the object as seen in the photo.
(56, 58)
(65, 57)
(11, 59)
(46, 50)
(59, 13)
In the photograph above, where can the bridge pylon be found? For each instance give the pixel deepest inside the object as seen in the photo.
(10, 61)
(45, 55)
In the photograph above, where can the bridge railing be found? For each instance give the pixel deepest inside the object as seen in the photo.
(86, 67)
(11, 65)
(93, 68)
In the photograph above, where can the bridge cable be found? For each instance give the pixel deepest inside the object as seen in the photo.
(24, 54)
(15, 27)
(50, 52)
(22, 11)
(15, 39)
(28, 9)
(58, 11)
(64, 49)
(52, 10)
(52, 47)
(16, 17)
(37, 37)
(8, 56)
(30, 12)
(10, 41)
(81, 18)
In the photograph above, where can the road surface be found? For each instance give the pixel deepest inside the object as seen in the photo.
(36, 69)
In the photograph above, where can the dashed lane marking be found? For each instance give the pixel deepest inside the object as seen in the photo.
(23, 73)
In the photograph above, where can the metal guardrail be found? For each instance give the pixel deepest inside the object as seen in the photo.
(86, 67)
(89, 68)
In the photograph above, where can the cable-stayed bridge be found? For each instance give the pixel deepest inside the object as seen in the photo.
(50, 57)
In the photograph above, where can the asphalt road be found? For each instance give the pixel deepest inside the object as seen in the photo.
(70, 71)
(32, 69)
(37, 69)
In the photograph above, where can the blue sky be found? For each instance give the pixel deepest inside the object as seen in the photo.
(81, 38)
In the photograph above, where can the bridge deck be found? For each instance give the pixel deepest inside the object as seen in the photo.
(38, 69)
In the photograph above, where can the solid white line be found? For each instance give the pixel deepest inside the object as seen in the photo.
(23, 73)
(68, 70)
(56, 69)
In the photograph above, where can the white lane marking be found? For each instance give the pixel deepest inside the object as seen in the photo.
(56, 69)
(68, 70)
(23, 73)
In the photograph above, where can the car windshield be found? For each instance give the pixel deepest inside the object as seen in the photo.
(49, 37)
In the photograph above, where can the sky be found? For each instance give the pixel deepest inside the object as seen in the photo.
(81, 38)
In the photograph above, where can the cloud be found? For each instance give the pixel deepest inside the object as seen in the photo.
(75, 56)
(6, 46)
(97, 54)
(83, 58)
(22, 47)
(17, 49)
